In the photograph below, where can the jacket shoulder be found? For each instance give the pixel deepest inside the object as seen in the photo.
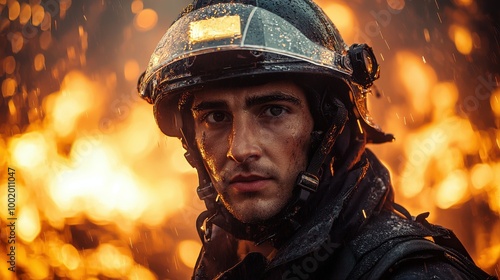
(394, 246)
(421, 268)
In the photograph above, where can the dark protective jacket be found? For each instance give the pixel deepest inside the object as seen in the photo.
(353, 231)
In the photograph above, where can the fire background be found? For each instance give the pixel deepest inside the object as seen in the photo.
(101, 194)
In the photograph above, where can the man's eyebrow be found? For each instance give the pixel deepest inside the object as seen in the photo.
(271, 97)
(249, 102)
(209, 105)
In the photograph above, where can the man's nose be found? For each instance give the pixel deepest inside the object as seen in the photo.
(244, 141)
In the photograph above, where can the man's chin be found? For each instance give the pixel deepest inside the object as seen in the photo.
(253, 214)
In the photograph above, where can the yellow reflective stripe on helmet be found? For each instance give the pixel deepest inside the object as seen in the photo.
(214, 29)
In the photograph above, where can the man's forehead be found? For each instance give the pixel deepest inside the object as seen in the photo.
(244, 92)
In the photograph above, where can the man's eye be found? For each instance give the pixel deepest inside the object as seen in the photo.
(274, 111)
(216, 117)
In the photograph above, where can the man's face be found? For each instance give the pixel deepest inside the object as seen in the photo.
(254, 141)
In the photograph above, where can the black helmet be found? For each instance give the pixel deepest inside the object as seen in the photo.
(216, 40)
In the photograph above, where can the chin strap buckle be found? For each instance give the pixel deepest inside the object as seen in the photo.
(308, 183)
(208, 194)
(205, 192)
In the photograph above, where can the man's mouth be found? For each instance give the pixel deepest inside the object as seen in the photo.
(248, 183)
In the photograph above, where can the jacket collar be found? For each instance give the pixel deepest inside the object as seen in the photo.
(347, 200)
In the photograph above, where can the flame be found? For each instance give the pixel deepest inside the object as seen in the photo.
(495, 102)
(452, 190)
(481, 176)
(417, 78)
(113, 260)
(28, 223)
(76, 97)
(95, 179)
(26, 150)
(444, 96)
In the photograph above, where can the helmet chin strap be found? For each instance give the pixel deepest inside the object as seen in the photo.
(287, 220)
(308, 180)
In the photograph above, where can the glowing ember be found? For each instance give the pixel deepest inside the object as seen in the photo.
(462, 38)
(38, 14)
(8, 87)
(131, 70)
(146, 19)
(39, 62)
(14, 10)
(396, 4)
(9, 64)
(136, 6)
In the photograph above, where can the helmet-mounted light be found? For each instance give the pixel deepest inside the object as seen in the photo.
(364, 64)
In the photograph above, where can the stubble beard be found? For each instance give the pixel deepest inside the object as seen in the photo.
(255, 210)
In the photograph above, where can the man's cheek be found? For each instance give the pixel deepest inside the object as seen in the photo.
(214, 165)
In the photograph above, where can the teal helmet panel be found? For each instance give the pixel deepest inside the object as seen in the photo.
(305, 15)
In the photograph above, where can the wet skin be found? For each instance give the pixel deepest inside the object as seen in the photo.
(254, 141)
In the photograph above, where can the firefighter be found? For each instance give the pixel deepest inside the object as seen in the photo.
(270, 104)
